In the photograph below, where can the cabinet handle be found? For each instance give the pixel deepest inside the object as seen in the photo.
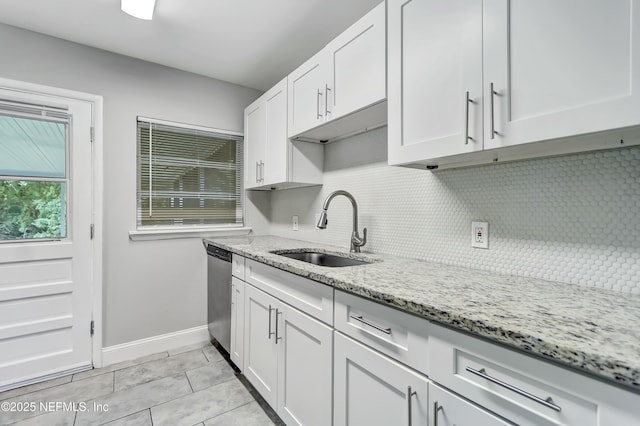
(410, 394)
(493, 121)
(277, 313)
(546, 402)
(257, 172)
(370, 324)
(261, 171)
(467, 101)
(319, 116)
(326, 99)
(436, 407)
(270, 333)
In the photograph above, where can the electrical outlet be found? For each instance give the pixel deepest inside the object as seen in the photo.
(295, 222)
(480, 235)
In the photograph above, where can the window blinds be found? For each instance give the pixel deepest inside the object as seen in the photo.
(188, 176)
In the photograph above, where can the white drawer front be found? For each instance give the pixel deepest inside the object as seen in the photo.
(520, 388)
(237, 266)
(311, 297)
(399, 335)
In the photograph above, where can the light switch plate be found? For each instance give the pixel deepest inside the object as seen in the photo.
(480, 235)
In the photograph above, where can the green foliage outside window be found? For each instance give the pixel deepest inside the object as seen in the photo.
(30, 209)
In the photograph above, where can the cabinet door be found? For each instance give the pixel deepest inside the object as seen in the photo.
(254, 138)
(236, 351)
(560, 68)
(304, 366)
(357, 60)
(451, 410)
(275, 168)
(306, 93)
(260, 352)
(371, 389)
(435, 59)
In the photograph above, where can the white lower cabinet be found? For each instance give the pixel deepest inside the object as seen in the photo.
(372, 389)
(287, 357)
(448, 409)
(236, 351)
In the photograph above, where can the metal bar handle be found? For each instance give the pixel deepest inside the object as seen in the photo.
(467, 101)
(270, 333)
(436, 407)
(319, 116)
(370, 324)
(410, 394)
(257, 171)
(546, 402)
(277, 313)
(261, 171)
(326, 99)
(493, 121)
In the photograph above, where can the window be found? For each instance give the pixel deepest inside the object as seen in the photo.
(33, 172)
(188, 176)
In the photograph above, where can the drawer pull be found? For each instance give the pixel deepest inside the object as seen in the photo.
(270, 333)
(370, 324)
(546, 402)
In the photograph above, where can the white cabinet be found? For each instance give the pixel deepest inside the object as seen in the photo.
(494, 76)
(435, 60)
(271, 159)
(287, 359)
(345, 77)
(448, 409)
(236, 351)
(371, 389)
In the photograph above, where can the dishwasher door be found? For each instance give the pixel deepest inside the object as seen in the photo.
(219, 295)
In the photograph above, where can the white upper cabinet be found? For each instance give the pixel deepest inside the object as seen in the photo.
(435, 78)
(536, 71)
(344, 78)
(272, 160)
(560, 68)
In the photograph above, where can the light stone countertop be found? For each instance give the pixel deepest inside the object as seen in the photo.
(592, 330)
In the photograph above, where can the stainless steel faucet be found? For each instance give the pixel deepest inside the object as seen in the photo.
(356, 241)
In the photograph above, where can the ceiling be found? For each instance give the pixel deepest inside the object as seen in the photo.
(253, 43)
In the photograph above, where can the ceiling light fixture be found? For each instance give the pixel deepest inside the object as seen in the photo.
(141, 9)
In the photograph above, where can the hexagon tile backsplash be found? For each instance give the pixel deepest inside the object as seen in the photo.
(573, 218)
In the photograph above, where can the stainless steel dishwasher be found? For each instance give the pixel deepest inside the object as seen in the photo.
(219, 294)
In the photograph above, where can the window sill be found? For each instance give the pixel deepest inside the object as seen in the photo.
(149, 234)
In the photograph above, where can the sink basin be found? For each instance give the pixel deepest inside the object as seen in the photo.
(323, 259)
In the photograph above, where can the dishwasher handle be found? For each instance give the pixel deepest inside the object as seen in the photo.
(219, 253)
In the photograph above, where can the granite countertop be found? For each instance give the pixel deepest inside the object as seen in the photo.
(592, 330)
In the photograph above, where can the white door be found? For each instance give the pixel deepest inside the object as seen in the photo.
(371, 389)
(277, 143)
(435, 78)
(46, 250)
(306, 93)
(357, 60)
(305, 352)
(451, 410)
(260, 351)
(560, 68)
(236, 351)
(254, 136)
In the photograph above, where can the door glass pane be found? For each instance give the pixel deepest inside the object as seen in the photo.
(31, 210)
(32, 147)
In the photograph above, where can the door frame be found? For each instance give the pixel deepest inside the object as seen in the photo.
(58, 96)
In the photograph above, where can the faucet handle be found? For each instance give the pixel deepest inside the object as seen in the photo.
(357, 242)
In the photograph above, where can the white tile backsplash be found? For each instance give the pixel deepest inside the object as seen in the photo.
(573, 219)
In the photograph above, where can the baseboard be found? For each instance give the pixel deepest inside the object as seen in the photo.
(151, 345)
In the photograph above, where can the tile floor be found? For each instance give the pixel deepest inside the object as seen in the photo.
(189, 386)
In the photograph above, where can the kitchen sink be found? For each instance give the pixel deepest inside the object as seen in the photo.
(323, 259)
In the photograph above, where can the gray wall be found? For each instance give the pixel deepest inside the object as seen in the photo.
(151, 287)
(573, 219)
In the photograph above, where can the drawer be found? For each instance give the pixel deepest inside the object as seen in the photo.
(518, 387)
(401, 336)
(237, 266)
(311, 297)
(451, 410)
